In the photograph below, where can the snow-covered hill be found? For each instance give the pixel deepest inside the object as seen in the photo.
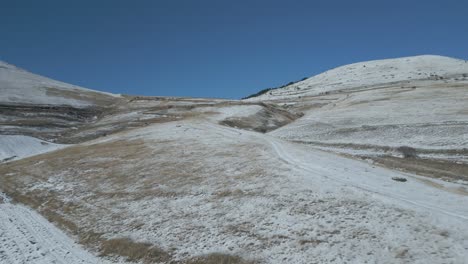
(373, 108)
(35, 106)
(193, 188)
(363, 75)
(18, 86)
(189, 181)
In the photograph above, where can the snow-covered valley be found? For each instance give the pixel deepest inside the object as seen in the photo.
(312, 177)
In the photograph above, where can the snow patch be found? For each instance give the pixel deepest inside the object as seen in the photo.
(27, 237)
(17, 147)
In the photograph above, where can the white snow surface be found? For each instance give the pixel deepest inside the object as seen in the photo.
(20, 86)
(19, 146)
(370, 73)
(388, 117)
(308, 206)
(322, 207)
(27, 237)
(415, 101)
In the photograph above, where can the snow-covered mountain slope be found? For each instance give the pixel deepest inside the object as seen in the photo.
(373, 108)
(35, 106)
(18, 147)
(18, 86)
(426, 115)
(183, 180)
(193, 187)
(39, 107)
(367, 74)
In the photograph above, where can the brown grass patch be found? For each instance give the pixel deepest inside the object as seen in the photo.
(47, 205)
(313, 242)
(90, 96)
(19, 176)
(109, 175)
(445, 170)
(218, 258)
(401, 253)
(228, 193)
(134, 251)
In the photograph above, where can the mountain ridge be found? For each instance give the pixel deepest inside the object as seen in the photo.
(367, 73)
(19, 86)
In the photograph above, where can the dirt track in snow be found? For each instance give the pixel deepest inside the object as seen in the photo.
(27, 237)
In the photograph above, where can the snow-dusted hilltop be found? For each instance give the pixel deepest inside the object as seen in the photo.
(184, 180)
(378, 106)
(371, 73)
(18, 86)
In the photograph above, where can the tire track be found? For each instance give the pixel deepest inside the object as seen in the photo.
(365, 187)
(27, 237)
(324, 170)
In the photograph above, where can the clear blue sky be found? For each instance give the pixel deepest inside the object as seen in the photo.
(216, 48)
